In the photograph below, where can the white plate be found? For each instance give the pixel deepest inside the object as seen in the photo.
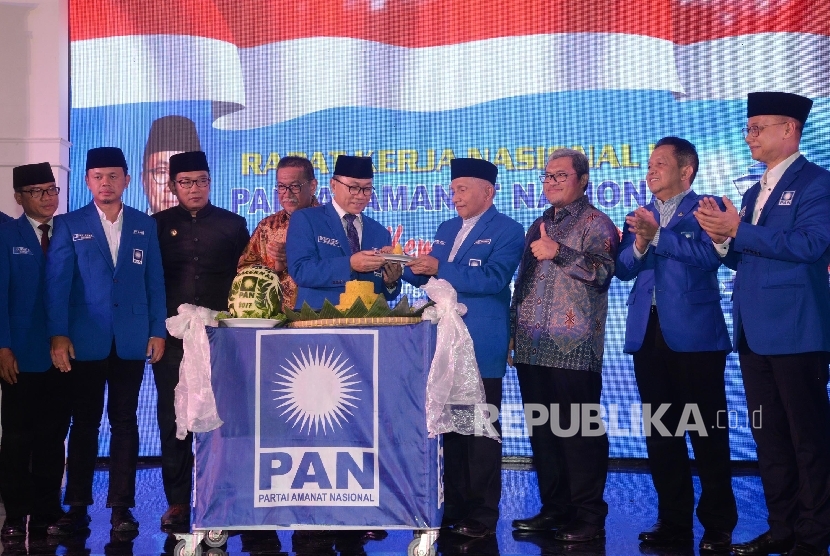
(396, 258)
(249, 323)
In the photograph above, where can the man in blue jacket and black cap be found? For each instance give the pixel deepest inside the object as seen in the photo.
(779, 245)
(105, 315)
(34, 413)
(477, 253)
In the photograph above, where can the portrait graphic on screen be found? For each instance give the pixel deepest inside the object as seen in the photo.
(168, 135)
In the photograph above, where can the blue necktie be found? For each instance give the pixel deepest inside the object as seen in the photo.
(351, 232)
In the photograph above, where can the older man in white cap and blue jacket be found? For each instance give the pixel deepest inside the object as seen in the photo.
(477, 253)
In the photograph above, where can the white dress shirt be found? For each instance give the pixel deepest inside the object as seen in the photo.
(38, 231)
(358, 222)
(769, 180)
(466, 227)
(112, 231)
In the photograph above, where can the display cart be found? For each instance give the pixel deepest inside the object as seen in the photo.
(323, 429)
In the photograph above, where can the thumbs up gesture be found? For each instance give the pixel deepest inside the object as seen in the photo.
(544, 248)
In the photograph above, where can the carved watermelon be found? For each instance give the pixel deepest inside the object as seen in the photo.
(255, 293)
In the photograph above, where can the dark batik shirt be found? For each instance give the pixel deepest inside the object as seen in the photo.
(560, 305)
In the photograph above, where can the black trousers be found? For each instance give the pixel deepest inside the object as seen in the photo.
(176, 455)
(34, 414)
(472, 470)
(787, 397)
(686, 380)
(571, 469)
(122, 380)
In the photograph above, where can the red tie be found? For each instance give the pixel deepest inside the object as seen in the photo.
(44, 237)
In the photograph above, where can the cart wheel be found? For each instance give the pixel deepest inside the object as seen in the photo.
(181, 549)
(414, 548)
(215, 538)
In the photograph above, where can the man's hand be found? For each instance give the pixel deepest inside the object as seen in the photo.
(510, 347)
(391, 270)
(155, 349)
(424, 265)
(62, 352)
(276, 251)
(544, 248)
(644, 226)
(8, 366)
(392, 273)
(717, 223)
(366, 261)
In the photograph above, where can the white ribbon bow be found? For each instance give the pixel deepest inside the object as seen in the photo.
(194, 401)
(455, 400)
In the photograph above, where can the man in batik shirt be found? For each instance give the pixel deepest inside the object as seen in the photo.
(296, 187)
(558, 327)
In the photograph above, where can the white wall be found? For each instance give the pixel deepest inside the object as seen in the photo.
(34, 92)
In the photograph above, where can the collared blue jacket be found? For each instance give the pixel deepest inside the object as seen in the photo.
(781, 299)
(684, 270)
(22, 306)
(4, 217)
(481, 273)
(94, 302)
(318, 255)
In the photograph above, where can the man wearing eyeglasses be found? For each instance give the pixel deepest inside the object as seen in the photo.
(779, 245)
(557, 319)
(105, 316)
(296, 187)
(34, 414)
(168, 135)
(200, 244)
(329, 245)
(678, 337)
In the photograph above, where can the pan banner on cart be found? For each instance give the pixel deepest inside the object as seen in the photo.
(322, 427)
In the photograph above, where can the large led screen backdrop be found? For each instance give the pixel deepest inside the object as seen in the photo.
(414, 83)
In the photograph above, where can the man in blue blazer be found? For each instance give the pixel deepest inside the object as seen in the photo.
(329, 245)
(4, 217)
(33, 413)
(105, 315)
(779, 244)
(678, 336)
(477, 253)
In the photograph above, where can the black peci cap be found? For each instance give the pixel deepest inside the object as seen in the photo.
(32, 174)
(778, 104)
(473, 168)
(105, 157)
(358, 167)
(193, 161)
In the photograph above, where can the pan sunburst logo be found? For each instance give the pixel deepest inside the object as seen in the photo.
(316, 391)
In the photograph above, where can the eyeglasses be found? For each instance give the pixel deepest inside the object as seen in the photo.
(755, 130)
(292, 187)
(160, 175)
(187, 184)
(355, 189)
(38, 192)
(558, 177)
